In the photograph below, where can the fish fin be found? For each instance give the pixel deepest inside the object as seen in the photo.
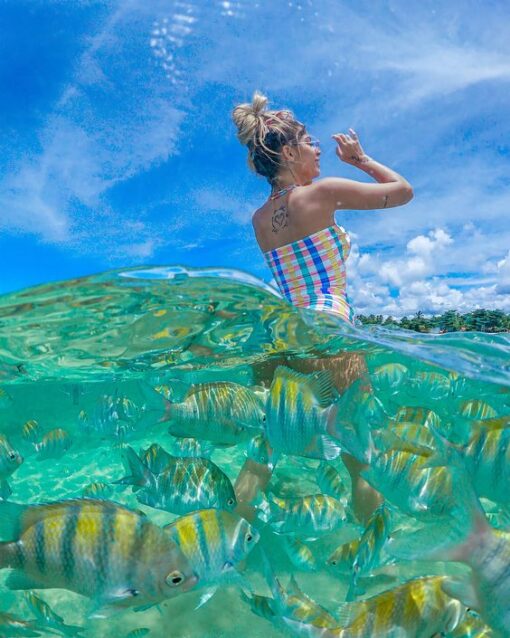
(347, 612)
(139, 474)
(5, 490)
(320, 384)
(462, 589)
(206, 596)
(11, 515)
(19, 580)
(293, 588)
(112, 603)
(330, 448)
(275, 586)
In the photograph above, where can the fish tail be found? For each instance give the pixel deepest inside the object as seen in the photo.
(139, 474)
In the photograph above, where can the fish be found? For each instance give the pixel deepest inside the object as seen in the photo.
(288, 603)
(214, 542)
(259, 450)
(477, 409)
(301, 413)
(98, 490)
(486, 457)
(99, 549)
(330, 482)
(388, 378)
(409, 482)
(138, 633)
(303, 515)
(53, 444)
(11, 625)
(222, 412)
(10, 460)
(471, 627)
(114, 416)
(418, 608)
(370, 546)
(185, 484)
(31, 431)
(431, 385)
(467, 537)
(192, 447)
(47, 618)
(300, 555)
(342, 559)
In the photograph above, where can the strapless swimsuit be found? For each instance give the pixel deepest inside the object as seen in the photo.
(310, 272)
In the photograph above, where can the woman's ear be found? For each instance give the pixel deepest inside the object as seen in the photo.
(287, 153)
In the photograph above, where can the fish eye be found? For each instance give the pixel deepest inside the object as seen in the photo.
(175, 578)
(332, 562)
(249, 537)
(12, 455)
(264, 418)
(231, 501)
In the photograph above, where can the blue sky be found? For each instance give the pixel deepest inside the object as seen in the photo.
(117, 148)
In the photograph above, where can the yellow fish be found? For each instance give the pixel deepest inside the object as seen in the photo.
(96, 548)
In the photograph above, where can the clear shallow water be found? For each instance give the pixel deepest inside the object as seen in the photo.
(67, 350)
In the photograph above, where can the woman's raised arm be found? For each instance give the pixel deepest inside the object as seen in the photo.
(337, 193)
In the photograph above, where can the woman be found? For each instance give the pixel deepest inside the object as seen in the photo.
(296, 230)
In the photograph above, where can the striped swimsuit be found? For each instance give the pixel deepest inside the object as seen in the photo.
(310, 272)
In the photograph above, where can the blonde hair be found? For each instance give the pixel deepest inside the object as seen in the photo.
(264, 132)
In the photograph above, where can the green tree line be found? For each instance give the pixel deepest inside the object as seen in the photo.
(450, 321)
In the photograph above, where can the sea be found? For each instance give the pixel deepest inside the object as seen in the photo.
(83, 356)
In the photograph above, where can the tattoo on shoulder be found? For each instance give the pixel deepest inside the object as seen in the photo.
(280, 219)
(386, 198)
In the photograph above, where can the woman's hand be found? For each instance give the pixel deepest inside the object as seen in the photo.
(349, 148)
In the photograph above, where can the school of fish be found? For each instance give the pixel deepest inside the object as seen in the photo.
(432, 558)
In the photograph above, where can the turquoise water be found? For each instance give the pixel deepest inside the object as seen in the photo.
(82, 355)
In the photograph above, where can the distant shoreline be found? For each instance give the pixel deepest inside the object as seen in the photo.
(491, 321)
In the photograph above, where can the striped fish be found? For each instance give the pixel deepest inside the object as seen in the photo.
(371, 543)
(467, 538)
(388, 378)
(31, 431)
(289, 603)
(301, 413)
(433, 386)
(408, 481)
(486, 457)
(99, 549)
(417, 609)
(213, 542)
(222, 412)
(47, 618)
(10, 460)
(300, 555)
(138, 633)
(330, 482)
(477, 409)
(185, 485)
(303, 515)
(192, 447)
(54, 444)
(342, 559)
